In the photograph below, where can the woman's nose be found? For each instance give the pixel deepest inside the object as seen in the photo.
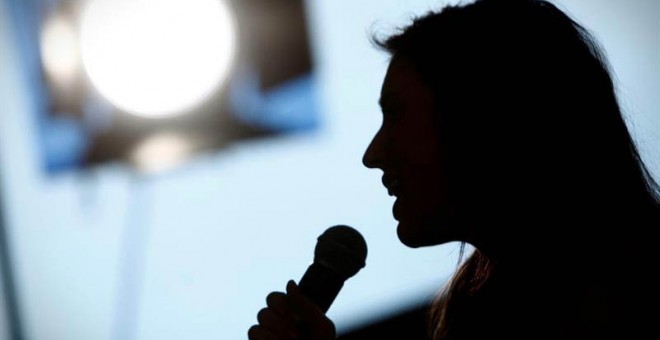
(373, 156)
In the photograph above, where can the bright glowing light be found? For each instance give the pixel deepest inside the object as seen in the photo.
(59, 49)
(157, 58)
(161, 152)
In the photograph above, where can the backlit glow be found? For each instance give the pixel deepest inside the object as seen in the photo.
(59, 50)
(161, 153)
(157, 58)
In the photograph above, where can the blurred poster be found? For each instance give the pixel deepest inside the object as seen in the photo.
(269, 90)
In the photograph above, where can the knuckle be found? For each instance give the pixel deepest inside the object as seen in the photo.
(274, 298)
(324, 325)
(253, 332)
(261, 316)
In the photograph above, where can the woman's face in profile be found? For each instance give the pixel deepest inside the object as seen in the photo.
(406, 149)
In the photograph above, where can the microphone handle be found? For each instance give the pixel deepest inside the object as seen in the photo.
(321, 285)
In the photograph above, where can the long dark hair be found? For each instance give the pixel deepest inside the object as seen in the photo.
(529, 122)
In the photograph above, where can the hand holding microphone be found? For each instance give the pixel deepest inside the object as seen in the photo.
(300, 312)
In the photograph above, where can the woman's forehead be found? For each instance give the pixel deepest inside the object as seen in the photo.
(402, 79)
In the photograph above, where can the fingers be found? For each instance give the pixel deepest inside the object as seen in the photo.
(301, 304)
(308, 311)
(272, 321)
(278, 302)
(276, 321)
(257, 332)
(291, 316)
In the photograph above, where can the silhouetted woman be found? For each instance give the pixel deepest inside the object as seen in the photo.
(501, 129)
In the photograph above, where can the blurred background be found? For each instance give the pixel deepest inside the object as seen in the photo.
(164, 164)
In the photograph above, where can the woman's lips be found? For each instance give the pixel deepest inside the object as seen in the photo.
(391, 184)
(396, 209)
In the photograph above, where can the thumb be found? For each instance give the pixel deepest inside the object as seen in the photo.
(301, 304)
(318, 325)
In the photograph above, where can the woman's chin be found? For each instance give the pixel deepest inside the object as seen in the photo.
(410, 237)
(406, 238)
(415, 235)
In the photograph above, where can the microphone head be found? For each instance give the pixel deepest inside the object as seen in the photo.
(342, 249)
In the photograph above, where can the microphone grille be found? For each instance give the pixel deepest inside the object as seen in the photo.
(342, 249)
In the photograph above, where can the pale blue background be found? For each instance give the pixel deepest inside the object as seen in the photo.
(192, 253)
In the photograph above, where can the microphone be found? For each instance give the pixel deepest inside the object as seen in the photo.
(339, 254)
